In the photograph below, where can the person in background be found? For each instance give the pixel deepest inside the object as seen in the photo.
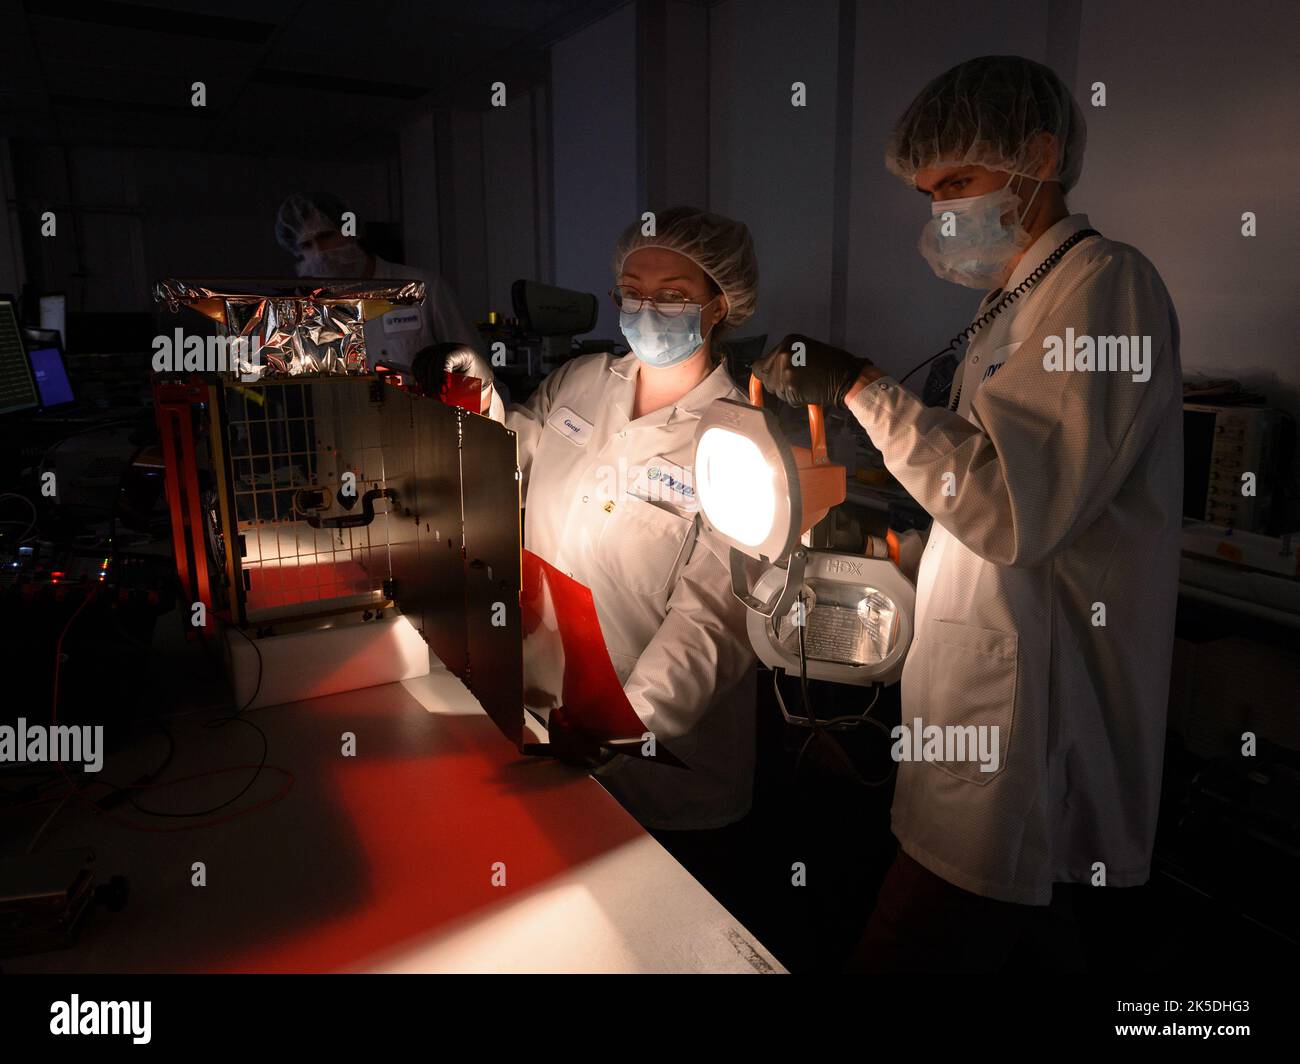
(1046, 593)
(310, 228)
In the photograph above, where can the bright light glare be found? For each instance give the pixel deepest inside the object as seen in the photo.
(736, 486)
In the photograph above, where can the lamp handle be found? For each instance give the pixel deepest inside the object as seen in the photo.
(892, 544)
(816, 422)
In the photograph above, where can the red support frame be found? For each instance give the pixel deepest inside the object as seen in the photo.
(173, 407)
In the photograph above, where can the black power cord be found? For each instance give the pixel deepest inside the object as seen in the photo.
(221, 722)
(821, 730)
(1007, 299)
(150, 780)
(261, 764)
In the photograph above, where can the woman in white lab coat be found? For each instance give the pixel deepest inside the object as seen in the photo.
(605, 451)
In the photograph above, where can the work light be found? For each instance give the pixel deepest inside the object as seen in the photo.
(822, 614)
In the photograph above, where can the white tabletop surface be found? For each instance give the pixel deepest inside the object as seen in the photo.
(391, 860)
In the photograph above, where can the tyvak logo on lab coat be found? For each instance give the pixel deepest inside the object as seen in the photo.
(573, 428)
(658, 481)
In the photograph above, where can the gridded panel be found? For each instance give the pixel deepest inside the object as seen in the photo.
(303, 455)
(444, 536)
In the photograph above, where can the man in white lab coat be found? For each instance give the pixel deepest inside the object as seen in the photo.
(316, 229)
(1047, 589)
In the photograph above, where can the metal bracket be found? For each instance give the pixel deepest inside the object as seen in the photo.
(793, 582)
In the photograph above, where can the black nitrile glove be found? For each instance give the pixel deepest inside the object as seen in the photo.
(821, 375)
(570, 745)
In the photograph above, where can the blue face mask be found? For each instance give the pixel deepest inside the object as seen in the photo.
(658, 340)
(967, 240)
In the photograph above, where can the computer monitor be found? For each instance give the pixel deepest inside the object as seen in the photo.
(17, 385)
(54, 314)
(52, 383)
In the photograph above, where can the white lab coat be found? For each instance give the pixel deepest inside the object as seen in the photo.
(610, 501)
(1066, 498)
(396, 337)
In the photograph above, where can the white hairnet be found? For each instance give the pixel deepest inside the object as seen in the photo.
(722, 248)
(305, 214)
(985, 112)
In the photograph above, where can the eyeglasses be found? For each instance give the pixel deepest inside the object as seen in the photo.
(667, 301)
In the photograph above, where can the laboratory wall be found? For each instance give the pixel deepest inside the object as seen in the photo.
(594, 153)
(777, 114)
(676, 108)
(836, 233)
(772, 111)
(514, 195)
(1200, 126)
(542, 187)
(475, 197)
(897, 313)
(419, 159)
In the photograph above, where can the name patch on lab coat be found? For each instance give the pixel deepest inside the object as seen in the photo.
(400, 321)
(662, 481)
(569, 425)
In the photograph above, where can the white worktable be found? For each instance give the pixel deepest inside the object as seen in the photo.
(385, 861)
